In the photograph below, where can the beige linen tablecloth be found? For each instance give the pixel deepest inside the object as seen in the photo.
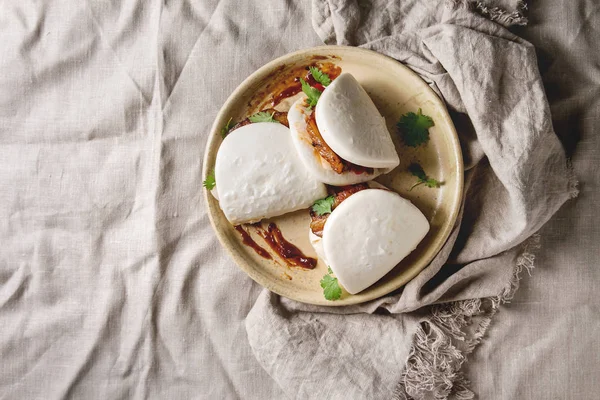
(112, 284)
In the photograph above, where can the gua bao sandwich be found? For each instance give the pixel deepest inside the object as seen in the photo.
(344, 140)
(367, 232)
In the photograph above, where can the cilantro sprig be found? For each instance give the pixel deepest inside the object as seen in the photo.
(312, 93)
(331, 287)
(320, 76)
(422, 177)
(415, 128)
(226, 128)
(323, 206)
(262, 116)
(210, 182)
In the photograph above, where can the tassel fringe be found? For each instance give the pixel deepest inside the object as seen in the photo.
(496, 14)
(450, 334)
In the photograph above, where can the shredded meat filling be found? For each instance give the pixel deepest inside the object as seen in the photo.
(337, 163)
(340, 193)
(322, 147)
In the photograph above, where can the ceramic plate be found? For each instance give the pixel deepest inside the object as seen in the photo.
(395, 90)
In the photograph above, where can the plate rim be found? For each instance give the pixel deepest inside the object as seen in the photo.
(264, 71)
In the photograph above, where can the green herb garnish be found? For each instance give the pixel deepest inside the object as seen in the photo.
(323, 206)
(312, 93)
(210, 182)
(415, 128)
(320, 76)
(225, 130)
(262, 116)
(417, 171)
(331, 286)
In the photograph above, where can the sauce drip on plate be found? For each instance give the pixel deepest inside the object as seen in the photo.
(287, 83)
(292, 255)
(290, 91)
(248, 241)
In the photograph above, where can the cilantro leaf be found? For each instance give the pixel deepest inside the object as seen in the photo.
(262, 116)
(331, 286)
(415, 128)
(312, 93)
(210, 182)
(432, 183)
(417, 171)
(423, 179)
(226, 128)
(320, 76)
(323, 206)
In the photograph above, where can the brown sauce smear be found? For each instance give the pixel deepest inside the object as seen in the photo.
(287, 92)
(330, 69)
(248, 241)
(287, 84)
(291, 254)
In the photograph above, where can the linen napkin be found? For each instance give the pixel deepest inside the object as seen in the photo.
(412, 343)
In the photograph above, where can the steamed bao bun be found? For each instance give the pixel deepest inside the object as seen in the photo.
(259, 175)
(367, 235)
(352, 127)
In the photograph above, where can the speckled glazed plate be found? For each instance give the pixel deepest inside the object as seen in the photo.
(395, 89)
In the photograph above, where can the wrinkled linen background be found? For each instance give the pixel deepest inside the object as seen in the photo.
(112, 284)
